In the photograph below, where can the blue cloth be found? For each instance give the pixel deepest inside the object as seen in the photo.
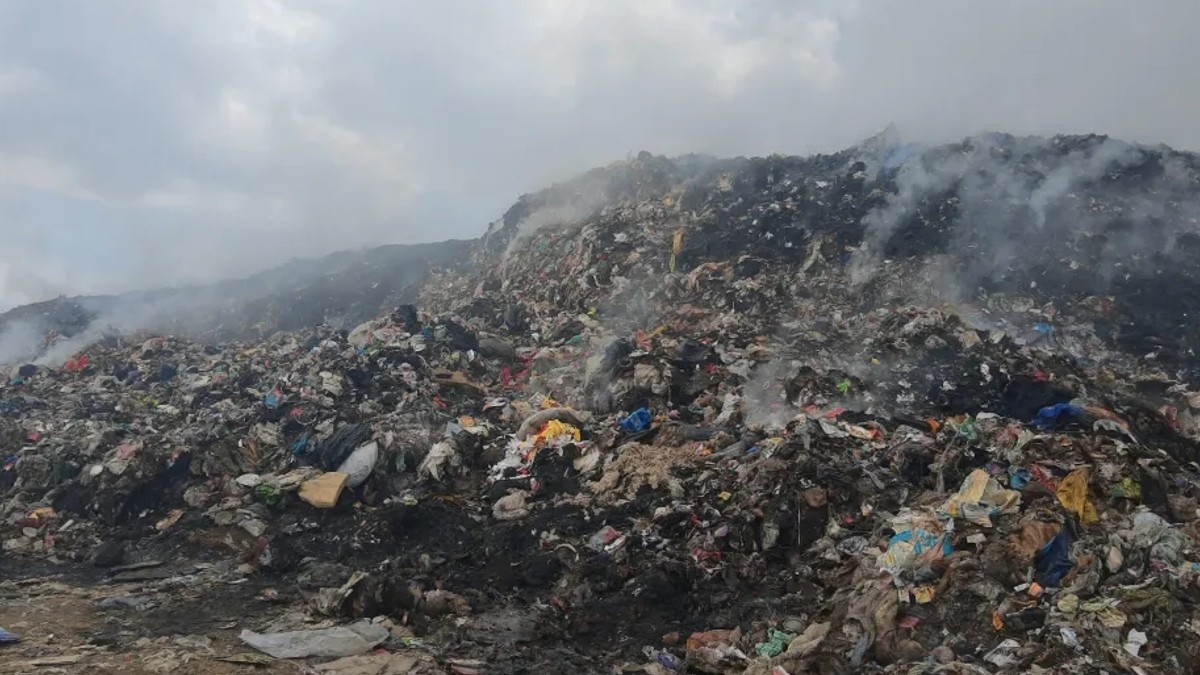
(1050, 415)
(638, 420)
(1053, 562)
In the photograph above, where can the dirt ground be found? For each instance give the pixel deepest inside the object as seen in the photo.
(64, 629)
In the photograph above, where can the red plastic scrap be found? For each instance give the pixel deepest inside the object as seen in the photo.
(712, 638)
(76, 363)
(702, 556)
(1170, 413)
(1042, 475)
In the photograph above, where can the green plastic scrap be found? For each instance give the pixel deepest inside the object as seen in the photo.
(777, 641)
(412, 642)
(844, 387)
(968, 429)
(268, 494)
(1127, 488)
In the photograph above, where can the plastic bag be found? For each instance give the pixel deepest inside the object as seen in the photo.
(359, 464)
(638, 420)
(1053, 562)
(358, 638)
(1050, 416)
(1072, 494)
(981, 497)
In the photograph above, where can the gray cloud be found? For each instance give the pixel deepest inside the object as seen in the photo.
(147, 143)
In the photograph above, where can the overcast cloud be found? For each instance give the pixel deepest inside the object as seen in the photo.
(159, 142)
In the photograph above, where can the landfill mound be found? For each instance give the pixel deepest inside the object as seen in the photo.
(906, 409)
(343, 289)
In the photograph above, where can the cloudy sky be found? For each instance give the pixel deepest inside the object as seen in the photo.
(151, 142)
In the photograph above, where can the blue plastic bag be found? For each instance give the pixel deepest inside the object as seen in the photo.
(638, 420)
(300, 446)
(7, 637)
(1050, 415)
(1053, 562)
(1018, 478)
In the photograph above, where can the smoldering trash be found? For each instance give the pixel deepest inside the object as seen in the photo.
(898, 409)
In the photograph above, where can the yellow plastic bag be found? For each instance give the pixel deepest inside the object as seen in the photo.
(556, 429)
(1072, 494)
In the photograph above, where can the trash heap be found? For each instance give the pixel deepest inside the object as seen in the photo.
(778, 415)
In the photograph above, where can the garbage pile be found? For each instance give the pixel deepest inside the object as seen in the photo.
(899, 409)
(342, 289)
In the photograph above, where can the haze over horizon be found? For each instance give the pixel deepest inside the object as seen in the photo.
(147, 144)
